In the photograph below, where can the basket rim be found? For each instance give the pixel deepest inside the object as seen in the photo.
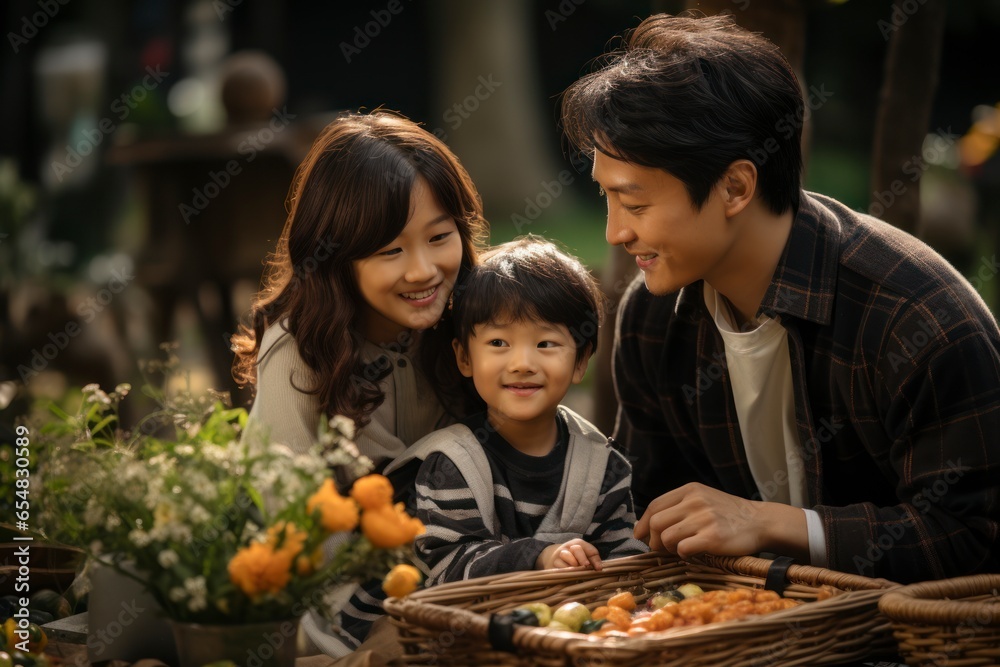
(935, 603)
(750, 566)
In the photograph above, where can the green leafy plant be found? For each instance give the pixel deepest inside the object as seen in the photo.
(218, 523)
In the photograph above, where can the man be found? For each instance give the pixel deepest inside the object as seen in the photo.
(793, 377)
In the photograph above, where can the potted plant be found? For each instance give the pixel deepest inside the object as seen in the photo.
(230, 533)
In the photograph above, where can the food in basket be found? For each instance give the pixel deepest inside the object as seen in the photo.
(686, 605)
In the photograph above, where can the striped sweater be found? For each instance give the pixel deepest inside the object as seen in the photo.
(489, 508)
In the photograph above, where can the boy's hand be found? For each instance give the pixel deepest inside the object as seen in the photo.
(569, 554)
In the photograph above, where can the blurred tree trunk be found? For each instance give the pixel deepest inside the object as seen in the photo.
(781, 21)
(911, 76)
(492, 110)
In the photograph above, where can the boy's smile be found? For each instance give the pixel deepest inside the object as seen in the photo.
(522, 370)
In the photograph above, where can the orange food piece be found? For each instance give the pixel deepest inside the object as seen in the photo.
(661, 619)
(826, 592)
(641, 622)
(716, 606)
(624, 600)
(741, 595)
(619, 617)
(766, 596)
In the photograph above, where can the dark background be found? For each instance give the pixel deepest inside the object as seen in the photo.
(102, 266)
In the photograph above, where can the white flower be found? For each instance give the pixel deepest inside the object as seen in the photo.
(250, 531)
(168, 558)
(112, 522)
(195, 586)
(96, 547)
(343, 424)
(197, 603)
(177, 594)
(199, 515)
(91, 388)
(184, 450)
(203, 487)
(123, 389)
(279, 450)
(139, 538)
(310, 464)
(98, 396)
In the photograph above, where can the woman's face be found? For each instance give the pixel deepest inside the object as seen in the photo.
(406, 284)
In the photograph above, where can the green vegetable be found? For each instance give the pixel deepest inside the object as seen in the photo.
(22, 659)
(524, 617)
(571, 614)
(690, 590)
(541, 610)
(592, 625)
(659, 601)
(51, 603)
(673, 594)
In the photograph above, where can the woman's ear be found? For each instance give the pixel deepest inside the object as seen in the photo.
(581, 366)
(738, 186)
(462, 358)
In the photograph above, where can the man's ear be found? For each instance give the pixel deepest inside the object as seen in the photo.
(738, 186)
(581, 366)
(462, 358)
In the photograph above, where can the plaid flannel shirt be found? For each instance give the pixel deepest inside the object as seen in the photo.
(896, 368)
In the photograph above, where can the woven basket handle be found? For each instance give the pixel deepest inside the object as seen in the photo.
(798, 574)
(926, 602)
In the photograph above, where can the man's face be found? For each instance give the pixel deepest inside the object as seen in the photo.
(651, 214)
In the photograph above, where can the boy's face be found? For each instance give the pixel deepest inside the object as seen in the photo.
(651, 214)
(522, 370)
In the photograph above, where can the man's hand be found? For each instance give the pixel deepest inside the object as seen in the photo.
(696, 519)
(569, 554)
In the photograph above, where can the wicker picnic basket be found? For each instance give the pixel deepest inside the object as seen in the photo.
(948, 622)
(450, 624)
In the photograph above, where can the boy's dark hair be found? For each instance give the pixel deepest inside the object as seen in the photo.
(530, 279)
(691, 96)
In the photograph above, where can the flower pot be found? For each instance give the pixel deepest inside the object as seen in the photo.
(269, 644)
(124, 622)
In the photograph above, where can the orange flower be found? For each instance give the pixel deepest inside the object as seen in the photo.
(390, 526)
(292, 540)
(336, 512)
(259, 569)
(372, 492)
(306, 565)
(401, 581)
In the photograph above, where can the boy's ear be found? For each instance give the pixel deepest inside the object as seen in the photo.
(738, 185)
(462, 358)
(581, 366)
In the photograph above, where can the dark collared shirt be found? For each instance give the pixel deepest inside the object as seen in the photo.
(896, 367)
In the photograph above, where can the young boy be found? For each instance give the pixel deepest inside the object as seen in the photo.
(528, 483)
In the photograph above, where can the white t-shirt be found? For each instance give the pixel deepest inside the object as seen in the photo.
(760, 372)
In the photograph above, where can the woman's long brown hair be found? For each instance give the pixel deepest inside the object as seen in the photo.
(349, 198)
